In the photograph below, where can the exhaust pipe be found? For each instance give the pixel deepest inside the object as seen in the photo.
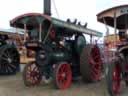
(47, 7)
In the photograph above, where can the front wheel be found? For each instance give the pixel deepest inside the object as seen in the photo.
(62, 75)
(31, 74)
(114, 78)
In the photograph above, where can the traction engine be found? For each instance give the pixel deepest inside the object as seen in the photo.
(62, 53)
(117, 17)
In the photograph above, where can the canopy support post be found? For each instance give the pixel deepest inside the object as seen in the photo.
(49, 30)
(40, 31)
(107, 29)
(25, 32)
(115, 25)
(91, 38)
(24, 48)
(107, 43)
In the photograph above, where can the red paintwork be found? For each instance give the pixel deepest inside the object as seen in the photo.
(116, 80)
(13, 21)
(32, 45)
(52, 34)
(64, 76)
(96, 63)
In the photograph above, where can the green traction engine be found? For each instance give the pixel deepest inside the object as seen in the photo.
(62, 53)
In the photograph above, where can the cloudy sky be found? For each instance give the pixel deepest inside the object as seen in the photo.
(83, 10)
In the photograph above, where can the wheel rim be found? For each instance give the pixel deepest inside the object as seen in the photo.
(64, 76)
(33, 75)
(116, 80)
(96, 63)
(9, 61)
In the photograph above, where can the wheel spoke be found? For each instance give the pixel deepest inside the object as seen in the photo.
(92, 61)
(96, 57)
(13, 66)
(7, 54)
(4, 58)
(9, 67)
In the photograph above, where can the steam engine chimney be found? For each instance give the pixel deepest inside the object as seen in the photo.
(47, 7)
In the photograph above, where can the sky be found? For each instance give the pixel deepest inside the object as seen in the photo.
(82, 10)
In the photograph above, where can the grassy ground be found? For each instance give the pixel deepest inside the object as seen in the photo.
(14, 86)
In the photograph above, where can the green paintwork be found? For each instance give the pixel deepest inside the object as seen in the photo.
(74, 27)
(124, 11)
(25, 20)
(59, 56)
(39, 19)
(80, 43)
(59, 23)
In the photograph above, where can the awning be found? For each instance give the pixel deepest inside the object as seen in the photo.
(121, 14)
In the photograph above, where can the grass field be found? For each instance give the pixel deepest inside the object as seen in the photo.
(14, 86)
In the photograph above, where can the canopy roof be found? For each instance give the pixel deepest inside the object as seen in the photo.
(121, 14)
(34, 19)
(30, 19)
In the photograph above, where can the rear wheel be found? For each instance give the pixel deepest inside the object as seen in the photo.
(126, 83)
(114, 78)
(62, 75)
(31, 74)
(9, 61)
(90, 63)
(126, 68)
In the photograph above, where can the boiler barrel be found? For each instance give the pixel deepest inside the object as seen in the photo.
(59, 56)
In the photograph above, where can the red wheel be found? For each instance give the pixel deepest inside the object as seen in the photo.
(114, 79)
(31, 74)
(90, 63)
(96, 63)
(62, 76)
(126, 68)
